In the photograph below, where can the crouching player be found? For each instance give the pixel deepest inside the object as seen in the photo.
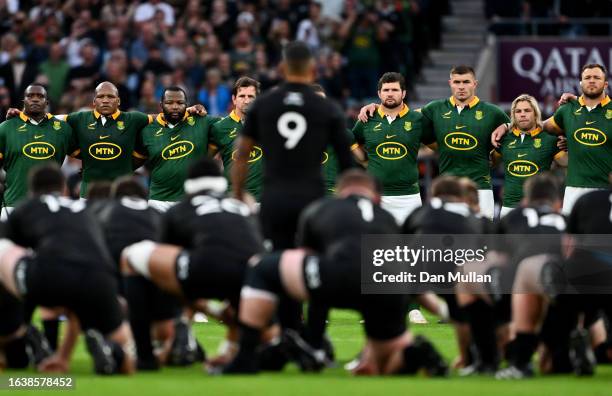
(208, 240)
(335, 227)
(83, 276)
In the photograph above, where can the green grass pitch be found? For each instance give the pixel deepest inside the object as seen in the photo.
(347, 336)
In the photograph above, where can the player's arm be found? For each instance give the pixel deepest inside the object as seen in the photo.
(305, 236)
(2, 143)
(340, 141)
(59, 362)
(367, 112)
(561, 156)
(240, 167)
(428, 137)
(551, 126)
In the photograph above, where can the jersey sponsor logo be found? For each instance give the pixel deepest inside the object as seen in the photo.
(293, 98)
(522, 168)
(177, 150)
(447, 114)
(190, 121)
(408, 126)
(38, 150)
(325, 158)
(23, 128)
(105, 151)
(120, 125)
(537, 143)
(391, 151)
(377, 127)
(460, 141)
(608, 114)
(233, 133)
(38, 136)
(479, 115)
(173, 138)
(390, 136)
(159, 132)
(255, 154)
(104, 137)
(590, 122)
(56, 125)
(590, 136)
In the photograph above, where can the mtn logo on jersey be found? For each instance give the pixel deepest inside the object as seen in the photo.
(177, 150)
(590, 136)
(104, 151)
(522, 168)
(460, 141)
(391, 151)
(38, 150)
(254, 156)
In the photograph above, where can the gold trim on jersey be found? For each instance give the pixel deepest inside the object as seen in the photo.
(115, 115)
(162, 120)
(472, 103)
(234, 116)
(405, 109)
(534, 132)
(603, 102)
(25, 118)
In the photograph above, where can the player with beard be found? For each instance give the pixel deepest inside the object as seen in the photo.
(83, 280)
(587, 124)
(391, 139)
(170, 145)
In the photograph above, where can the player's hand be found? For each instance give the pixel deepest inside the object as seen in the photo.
(54, 364)
(566, 97)
(562, 143)
(498, 134)
(198, 109)
(12, 112)
(366, 112)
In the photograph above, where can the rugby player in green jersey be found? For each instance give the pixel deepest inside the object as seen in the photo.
(106, 136)
(587, 124)
(525, 151)
(391, 140)
(461, 128)
(224, 132)
(170, 145)
(30, 140)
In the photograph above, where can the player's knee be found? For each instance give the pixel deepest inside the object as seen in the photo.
(263, 277)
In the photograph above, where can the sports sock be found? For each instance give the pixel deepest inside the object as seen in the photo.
(140, 321)
(51, 328)
(481, 318)
(525, 346)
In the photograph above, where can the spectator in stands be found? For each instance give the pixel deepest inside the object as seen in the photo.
(215, 95)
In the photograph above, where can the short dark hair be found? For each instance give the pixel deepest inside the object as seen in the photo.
(204, 167)
(542, 188)
(99, 190)
(359, 177)
(594, 66)
(39, 86)
(392, 77)
(244, 82)
(447, 186)
(128, 186)
(46, 179)
(173, 88)
(463, 69)
(297, 56)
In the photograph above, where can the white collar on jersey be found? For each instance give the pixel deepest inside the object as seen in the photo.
(216, 184)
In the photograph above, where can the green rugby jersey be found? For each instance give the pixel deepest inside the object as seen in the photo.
(24, 145)
(392, 149)
(222, 135)
(330, 166)
(170, 152)
(464, 138)
(589, 142)
(106, 150)
(525, 155)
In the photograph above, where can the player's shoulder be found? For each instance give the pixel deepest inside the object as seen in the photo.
(436, 104)
(594, 200)
(568, 107)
